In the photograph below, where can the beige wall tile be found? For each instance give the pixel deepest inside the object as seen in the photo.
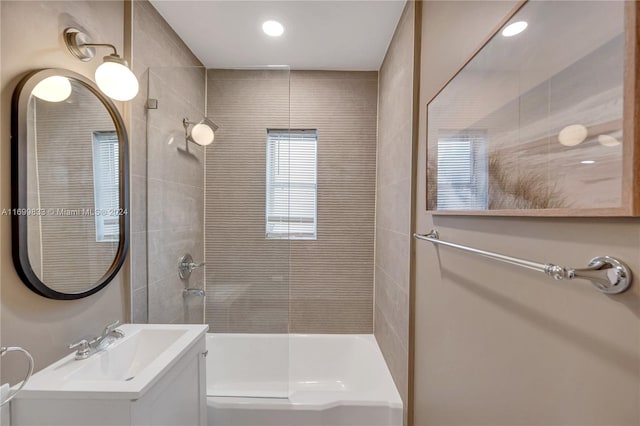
(395, 354)
(138, 203)
(166, 246)
(323, 286)
(393, 201)
(393, 205)
(393, 300)
(140, 309)
(166, 302)
(138, 250)
(138, 143)
(171, 204)
(396, 162)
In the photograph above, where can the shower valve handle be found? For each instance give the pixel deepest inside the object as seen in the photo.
(186, 265)
(194, 265)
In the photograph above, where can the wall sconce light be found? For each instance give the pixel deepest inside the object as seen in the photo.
(53, 89)
(113, 76)
(202, 132)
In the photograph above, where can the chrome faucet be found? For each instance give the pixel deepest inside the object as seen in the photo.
(193, 292)
(86, 348)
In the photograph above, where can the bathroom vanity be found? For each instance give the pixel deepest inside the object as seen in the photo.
(155, 375)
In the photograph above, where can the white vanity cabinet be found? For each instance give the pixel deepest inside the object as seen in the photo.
(170, 388)
(179, 398)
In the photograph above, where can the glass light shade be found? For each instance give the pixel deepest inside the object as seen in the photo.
(116, 80)
(515, 28)
(53, 89)
(573, 135)
(202, 134)
(273, 28)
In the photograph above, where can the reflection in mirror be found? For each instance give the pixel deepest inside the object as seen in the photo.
(73, 172)
(534, 120)
(71, 148)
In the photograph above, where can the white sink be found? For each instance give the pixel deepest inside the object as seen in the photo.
(124, 370)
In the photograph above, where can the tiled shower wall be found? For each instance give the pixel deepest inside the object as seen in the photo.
(322, 286)
(393, 204)
(166, 182)
(175, 195)
(247, 276)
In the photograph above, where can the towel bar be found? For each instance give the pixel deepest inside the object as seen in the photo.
(607, 274)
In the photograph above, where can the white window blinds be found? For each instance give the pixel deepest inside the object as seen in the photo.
(106, 175)
(462, 171)
(291, 191)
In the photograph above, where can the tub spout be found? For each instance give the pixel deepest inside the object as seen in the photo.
(193, 292)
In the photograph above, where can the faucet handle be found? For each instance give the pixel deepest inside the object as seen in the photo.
(108, 329)
(112, 326)
(82, 344)
(194, 265)
(84, 349)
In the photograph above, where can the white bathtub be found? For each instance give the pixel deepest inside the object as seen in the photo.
(299, 380)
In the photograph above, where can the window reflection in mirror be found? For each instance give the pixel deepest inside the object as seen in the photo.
(106, 185)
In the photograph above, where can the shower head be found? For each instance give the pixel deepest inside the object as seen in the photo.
(200, 132)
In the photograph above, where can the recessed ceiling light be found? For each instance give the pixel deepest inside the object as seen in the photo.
(515, 28)
(587, 162)
(272, 28)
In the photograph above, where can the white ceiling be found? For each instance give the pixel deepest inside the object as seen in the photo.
(319, 34)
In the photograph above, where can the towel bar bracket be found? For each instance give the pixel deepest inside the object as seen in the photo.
(609, 275)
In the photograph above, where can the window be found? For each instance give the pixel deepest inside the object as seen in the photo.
(291, 184)
(106, 176)
(462, 171)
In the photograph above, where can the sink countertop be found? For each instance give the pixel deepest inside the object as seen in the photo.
(125, 370)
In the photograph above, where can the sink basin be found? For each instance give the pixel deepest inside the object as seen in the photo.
(126, 360)
(125, 369)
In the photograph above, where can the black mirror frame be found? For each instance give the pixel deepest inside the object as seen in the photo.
(19, 105)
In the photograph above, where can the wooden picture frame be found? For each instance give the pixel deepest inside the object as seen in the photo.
(630, 190)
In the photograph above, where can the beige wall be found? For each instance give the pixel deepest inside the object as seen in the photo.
(167, 184)
(44, 326)
(393, 200)
(322, 286)
(495, 344)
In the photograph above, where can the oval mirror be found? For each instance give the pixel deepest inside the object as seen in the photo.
(70, 185)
